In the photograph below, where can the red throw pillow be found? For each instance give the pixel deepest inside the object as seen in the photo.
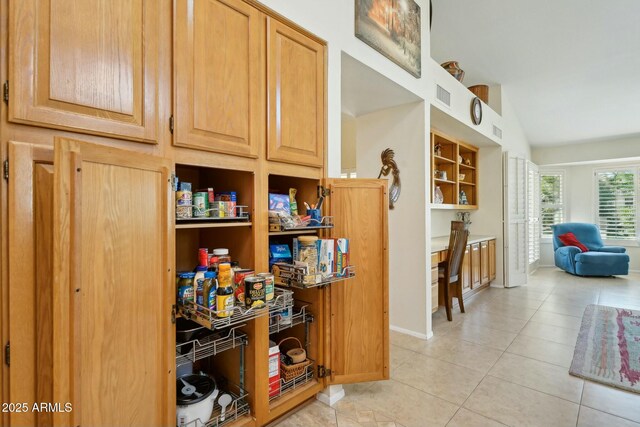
(570, 239)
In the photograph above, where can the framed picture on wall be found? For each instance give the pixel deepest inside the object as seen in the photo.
(392, 27)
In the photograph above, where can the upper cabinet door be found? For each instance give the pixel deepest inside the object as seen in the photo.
(219, 76)
(296, 83)
(89, 66)
(359, 322)
(113, 337)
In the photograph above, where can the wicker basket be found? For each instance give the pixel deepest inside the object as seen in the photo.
(289, 372)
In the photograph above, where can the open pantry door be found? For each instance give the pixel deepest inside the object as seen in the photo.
(113, 337)
(30, 205)
(358, 308)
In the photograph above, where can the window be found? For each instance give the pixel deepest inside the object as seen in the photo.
(616, 210)
(551, 201)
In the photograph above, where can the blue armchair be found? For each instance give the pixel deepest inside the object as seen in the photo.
(599, 261)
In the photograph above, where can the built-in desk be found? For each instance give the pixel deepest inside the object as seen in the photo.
(478, 265)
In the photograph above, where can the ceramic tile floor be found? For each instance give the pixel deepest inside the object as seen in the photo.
(504, 362)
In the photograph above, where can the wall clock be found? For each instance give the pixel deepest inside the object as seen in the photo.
(476, 111)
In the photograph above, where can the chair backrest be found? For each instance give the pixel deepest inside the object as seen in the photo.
(457, 245)
(588, 234)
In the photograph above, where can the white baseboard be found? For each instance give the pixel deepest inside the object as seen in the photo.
(331, 395)
(411, 333)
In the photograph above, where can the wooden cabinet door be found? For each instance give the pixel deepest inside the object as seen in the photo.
(475, 265)
(492, 260)
(113, 337)
(30, 214)
(296, 85)
(358, 349)
(89, 66)
(466, 270)
(484, 263)
(219, 80)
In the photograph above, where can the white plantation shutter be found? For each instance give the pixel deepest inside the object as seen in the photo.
(616, 209)
(516, 258)
(551, 201)
(533, 213)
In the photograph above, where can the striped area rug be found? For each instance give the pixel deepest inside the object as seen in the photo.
(608, 347)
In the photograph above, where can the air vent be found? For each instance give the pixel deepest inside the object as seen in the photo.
(497, 132)
(443, 95)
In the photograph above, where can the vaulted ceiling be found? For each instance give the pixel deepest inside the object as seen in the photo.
(571, 68)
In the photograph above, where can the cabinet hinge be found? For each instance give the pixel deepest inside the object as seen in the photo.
(7, 354)
(5, 92)
(323, 192)
(5, 166)
(171, 123)
(173, 313)
(323, 372)
(174, 182)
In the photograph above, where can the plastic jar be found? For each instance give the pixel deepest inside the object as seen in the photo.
(222, 254)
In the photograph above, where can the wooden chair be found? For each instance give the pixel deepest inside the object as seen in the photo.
(449, 274)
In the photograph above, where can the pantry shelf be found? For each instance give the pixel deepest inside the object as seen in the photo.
(180, 226)
(301, 230)
(210, 345)
(239, 407)
(296, 383)
(276, 321)
(209, 318)
(297, 282)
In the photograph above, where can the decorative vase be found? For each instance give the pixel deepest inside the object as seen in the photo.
(438, 197)
(453, 69)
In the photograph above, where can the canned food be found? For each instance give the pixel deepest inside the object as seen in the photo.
(183, 198)
(201, 204)
(183, 212)
(254, 291)
(269, 285)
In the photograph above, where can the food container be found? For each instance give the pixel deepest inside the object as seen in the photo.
(195, 396)
(186, 330)
(201, 204)
(309, 253)
(255, 294)
(274, 369)
(269, 285)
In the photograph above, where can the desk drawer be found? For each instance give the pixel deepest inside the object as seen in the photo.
(434, 275)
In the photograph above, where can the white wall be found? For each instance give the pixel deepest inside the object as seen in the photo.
(348, 157)
(598, 151)
(333, 20)
(403, 130)
(580, 199)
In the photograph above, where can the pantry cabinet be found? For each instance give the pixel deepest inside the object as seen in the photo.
(93, 245)
(90, 66)
(296, 96)
(112, 300)
(219, 81)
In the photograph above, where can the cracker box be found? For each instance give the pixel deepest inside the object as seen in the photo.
(325, 257)
(341, 256)
(274, 369)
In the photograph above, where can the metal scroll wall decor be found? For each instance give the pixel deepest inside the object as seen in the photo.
(389, 166)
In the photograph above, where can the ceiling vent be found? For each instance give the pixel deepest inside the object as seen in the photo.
(497, 132)
(443, 95)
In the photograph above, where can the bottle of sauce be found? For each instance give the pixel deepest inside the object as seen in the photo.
(209, 291)
(197, 284)
(224, 294)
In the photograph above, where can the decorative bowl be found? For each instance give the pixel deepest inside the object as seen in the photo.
(453, 69)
